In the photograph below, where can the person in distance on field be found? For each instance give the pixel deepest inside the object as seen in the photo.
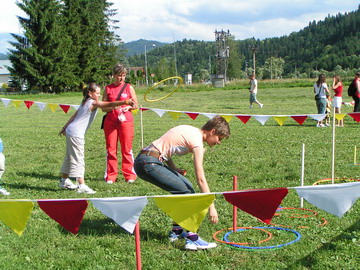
(150, 166)
(253, 91)
(337, 87)
(357, 95)
(3, 191)
(321, 92)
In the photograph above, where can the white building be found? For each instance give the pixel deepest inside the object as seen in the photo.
(4, 72)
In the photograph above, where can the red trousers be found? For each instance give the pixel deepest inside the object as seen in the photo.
(124, 133)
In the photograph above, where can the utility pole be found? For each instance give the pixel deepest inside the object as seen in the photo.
(254, 50)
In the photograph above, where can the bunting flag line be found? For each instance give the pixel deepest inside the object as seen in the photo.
(260, 203)
(124, 211)
(244, 118)
(335, 199)
(68, 213)
(52, 107)
(28, 103)
(280, 119)
(5, 101)
(16, 103)
(261, 118)
(64, 107)
(299, 118)
(187, 211)
(15, 214)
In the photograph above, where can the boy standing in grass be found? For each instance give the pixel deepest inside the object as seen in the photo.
(150, 166)
(3, 191)
(253, 91)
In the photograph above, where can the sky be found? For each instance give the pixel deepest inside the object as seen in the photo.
(172, 20)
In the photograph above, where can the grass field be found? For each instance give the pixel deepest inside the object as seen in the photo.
(261, 156)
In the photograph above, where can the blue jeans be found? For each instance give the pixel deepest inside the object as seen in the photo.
(155, 172)
(321, 105)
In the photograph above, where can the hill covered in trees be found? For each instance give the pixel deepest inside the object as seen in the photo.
(332, 44)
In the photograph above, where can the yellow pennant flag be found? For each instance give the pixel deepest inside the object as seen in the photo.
(280, 119)
(186, 210)
(339, 116)
(52, 107)
(227, 117)
(15, 214)
(16, 103)
(134, 112)
(174, 115)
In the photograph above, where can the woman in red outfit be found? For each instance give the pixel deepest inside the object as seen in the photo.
(119, 127)
(337, 101)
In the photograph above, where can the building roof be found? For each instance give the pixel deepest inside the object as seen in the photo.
(3, 67)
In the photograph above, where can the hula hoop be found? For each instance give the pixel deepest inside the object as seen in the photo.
(242, 229)
(157, 84)
(297, 234)
(335, 180)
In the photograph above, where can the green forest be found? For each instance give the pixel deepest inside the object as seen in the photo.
(67, 44)
(332, 44)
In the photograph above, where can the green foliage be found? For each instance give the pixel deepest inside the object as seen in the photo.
(261, 156)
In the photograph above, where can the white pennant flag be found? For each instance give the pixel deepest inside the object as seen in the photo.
(209, 115)
(6, 101)
(41, 105)
(125, 211)
(335, 199)
(317, 117)
(261, 118)
(75, 107)
(159, 112)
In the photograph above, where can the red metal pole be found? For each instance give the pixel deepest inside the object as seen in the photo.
(234, 207)
(137, 246)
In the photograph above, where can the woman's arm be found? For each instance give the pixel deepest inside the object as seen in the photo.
(113, 104)
(203, 185)
(62, 131)
(105, 98)
(134, 98)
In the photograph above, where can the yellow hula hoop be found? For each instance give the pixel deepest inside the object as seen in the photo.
(158, 83)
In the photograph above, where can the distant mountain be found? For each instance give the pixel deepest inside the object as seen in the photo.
(3, 56)
(138, 46)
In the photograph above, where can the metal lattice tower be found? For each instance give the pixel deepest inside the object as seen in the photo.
(222, 53)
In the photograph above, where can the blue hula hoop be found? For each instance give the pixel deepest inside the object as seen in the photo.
(298, 236)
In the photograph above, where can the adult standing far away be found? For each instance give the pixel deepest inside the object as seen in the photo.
(253, 91)
(119, 127)
(337, 87)
(321, 92)
(356, 97)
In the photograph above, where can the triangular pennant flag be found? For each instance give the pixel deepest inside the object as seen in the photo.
(174, 115)
(16, 214)
(244, 118)
(6, 101)
(52, 107)
(261, 203)
(134, 112)
(64, 107)
(280, 119)
(144, 109)
(261, 118)
(28, 103)
(209, 115)
(16, 103)
(340, 116)
(124, 211)
(299, 118)
(355, 116)
(192, 115)
(227, 117)
(335, 199)
(75, 107)
(41, 105)
(186, 210)
(159, 112)
(317, 117)
(68, 213)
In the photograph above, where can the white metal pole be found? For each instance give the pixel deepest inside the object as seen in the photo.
(302, 173)
(333, 149)
(141, 128)
(355, 162)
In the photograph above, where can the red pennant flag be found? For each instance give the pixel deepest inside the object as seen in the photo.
(28, 103)
(65, 108)
(356, 116)
(260, 203)
(299, 118)
(244, 118)
(144, 109)
(192, 115)
(68, 213)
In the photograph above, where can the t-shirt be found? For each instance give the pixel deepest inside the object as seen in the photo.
(112, 92)
(320, 90)
(253, 86)
(179, 141)
(78, 127)
(338, 91)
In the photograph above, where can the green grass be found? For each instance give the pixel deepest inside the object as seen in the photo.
(261, 156)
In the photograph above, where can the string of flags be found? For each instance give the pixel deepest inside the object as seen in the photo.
(262, 119)
(186, 210)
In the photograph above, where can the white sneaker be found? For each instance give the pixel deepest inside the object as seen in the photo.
(130, 181)
(85, 189)
(198, 244)
(67, 184)
(327, 125)
(3, 191)
(109, 182)
(261, 105)
(251, 106)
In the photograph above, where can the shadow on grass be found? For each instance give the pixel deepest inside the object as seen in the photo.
(39, 175)
(29, 187)
(311, 261)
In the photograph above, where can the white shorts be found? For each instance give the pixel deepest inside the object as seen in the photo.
(337, 101)
(74, 161)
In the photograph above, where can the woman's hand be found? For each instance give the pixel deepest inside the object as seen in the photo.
(62, 131)
(213, 215)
